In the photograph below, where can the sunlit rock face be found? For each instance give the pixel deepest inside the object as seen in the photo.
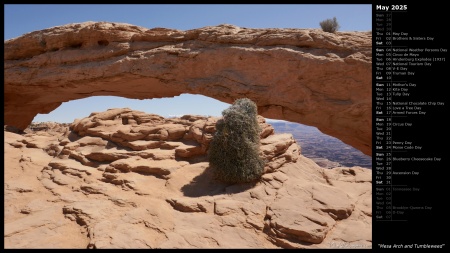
(301, 75)
(127, 179)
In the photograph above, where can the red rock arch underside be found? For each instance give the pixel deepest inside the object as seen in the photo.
(301, 75)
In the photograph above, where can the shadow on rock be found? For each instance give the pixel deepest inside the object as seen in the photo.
(242, 187)
(205, 185)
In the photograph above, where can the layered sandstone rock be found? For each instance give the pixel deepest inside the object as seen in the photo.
(301, 75)
(127, 179)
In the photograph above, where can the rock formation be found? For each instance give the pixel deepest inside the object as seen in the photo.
(127, 179)
(300, 75)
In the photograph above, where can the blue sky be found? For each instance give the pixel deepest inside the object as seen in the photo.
(24, 18)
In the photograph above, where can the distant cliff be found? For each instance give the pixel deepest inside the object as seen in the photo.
(326, 151)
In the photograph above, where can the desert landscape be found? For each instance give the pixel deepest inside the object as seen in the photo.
(127, 179)
(326, 151)
(123, 178)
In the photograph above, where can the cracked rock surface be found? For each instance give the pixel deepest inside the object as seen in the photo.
(128, 179)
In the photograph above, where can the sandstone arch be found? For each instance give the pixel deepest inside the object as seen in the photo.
(301, 75)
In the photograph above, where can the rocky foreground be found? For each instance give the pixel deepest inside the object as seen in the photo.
(127, 179)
